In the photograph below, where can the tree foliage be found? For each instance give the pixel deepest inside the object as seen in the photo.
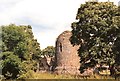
(19, 49)
(11, 65)
(98, 32)
(49, 51)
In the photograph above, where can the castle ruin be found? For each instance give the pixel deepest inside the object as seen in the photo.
(66, 57)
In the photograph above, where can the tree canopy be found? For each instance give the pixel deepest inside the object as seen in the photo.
(98, 32)
(49, 51)
(20, 51)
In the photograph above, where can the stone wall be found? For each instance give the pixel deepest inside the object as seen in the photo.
(66, 57)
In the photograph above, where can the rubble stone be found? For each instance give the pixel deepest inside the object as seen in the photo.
(66, 56)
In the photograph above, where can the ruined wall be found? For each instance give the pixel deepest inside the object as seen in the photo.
(67, 58)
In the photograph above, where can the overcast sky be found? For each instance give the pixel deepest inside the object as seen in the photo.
(48, 18)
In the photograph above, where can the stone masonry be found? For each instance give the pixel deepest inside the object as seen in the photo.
(66, 57)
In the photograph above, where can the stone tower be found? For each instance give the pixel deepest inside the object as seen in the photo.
(67, 58)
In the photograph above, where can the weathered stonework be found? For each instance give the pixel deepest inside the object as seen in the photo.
(67, 58)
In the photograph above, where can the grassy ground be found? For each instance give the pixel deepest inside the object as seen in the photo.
(33, 75)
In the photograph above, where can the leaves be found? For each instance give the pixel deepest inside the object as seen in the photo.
(18, 48)
(99, 29)
(49, 51)
(10, 65)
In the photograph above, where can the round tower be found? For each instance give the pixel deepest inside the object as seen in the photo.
(67, 58)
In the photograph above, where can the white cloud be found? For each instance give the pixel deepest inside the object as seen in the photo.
(54, 16)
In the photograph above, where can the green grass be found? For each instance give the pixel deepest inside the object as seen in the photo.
(35, 75)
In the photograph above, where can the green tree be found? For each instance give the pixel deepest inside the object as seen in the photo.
(12, 35)
(19, 40)
(49, 51)
(11, 65)
(36, 52)
(97, 31)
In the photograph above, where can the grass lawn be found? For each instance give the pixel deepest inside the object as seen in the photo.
(33, 75)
